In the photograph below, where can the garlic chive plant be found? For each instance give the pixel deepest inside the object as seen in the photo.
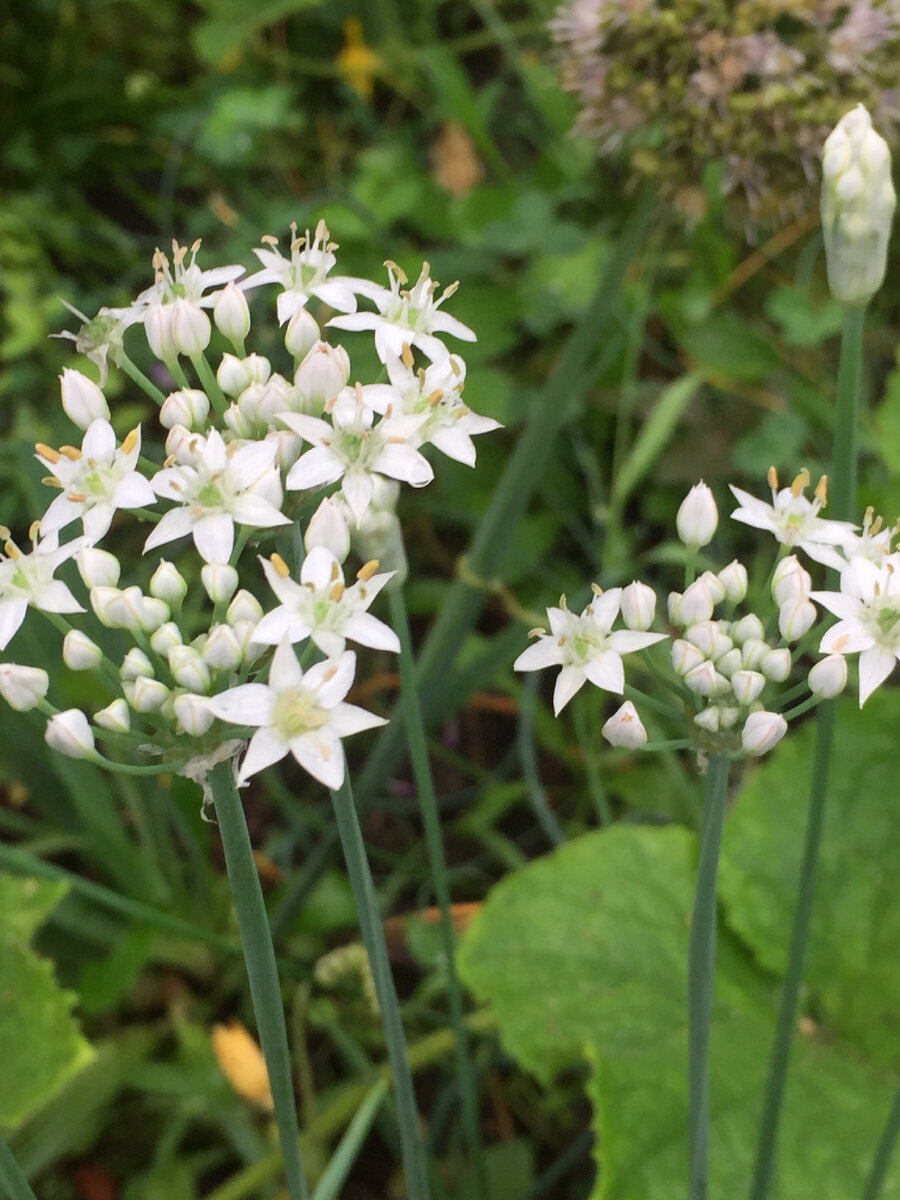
(230, 653)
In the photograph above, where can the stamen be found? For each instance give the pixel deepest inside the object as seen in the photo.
(269, 239)
(70, 452)
(76, 497)
(406, 356)
(822, 490)
(563, 603)
(330, 673)
(367, 570)
(51, 481)
(436, 397)
(598, 591)
(48, 452)
(772, 477)
(12, 550)
(536, 632)
(801, 481)
(281, 567)
(131, 440)
(335, 573)
(337, 592)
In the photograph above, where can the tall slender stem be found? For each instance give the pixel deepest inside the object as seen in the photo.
(12, 1178)
(701, 967)
(137, 376)
(373, 938)
(418, 751)
(842, 506)
(259, 954)
(884, 1153)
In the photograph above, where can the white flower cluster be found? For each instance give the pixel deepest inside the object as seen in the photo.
(730, 668)
(247, 448)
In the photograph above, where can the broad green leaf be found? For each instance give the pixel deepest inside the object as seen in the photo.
(583, 955)
(852, 967)
(803, 323)
(40, 1044)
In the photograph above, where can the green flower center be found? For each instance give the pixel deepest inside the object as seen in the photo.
(210, 496)
(295, 713)
(888, 618)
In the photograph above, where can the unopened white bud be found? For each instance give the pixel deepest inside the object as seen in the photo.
(23, 687)
(828, 677)
(191, 328)
(301, 334)
(638, 605)
(709, 718)
(790, 581)
(188, 668)
(101, 599)
(232, 376)
(115, 717)
(706, 636)
(79, 652)
(70, 733)
(231, 313)
(795, 618)
(733, 579)
(167, 583)
(673, 608)
(163, 639)
(184, 446)
(762, 730)
(244, 607)
(748, 628)
(322, 375)
(685, 656)
(193, 713)
(82, 400)
(250, 649)
(290, 447)
(239, 425)
(158, 328)
(728, 716)
(188, 407)
(753, 651)
(328, 527)
(696, 604)
(713, 585)
(858, 202)
(697, 517)
(776, 665)
(154, 612)
(729, 662)
(221, 650)
(747, 686)
(97, 568)
(125, 609)
(625, 728)
(220, 581)
(145, 695)
(705, 680)
(136, 665)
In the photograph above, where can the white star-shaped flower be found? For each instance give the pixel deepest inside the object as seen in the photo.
(171, 309)
(222, 485)
(305, 274)
(868, 606)
(354, 450)
(795, 521)
(95, 481)
(585, 647)
(321, 607)
(299, 713)
(410, 316)
(27, 579)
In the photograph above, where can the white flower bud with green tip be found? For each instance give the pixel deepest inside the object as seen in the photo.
(685, 656)
(709, 718)
(167, 583)
(328, 527)
(145, 695)
(301, 334)
(115, 717)
(733, 579)
(697, 517)
(753, 651)
(795, 618)
(244, 607)
(748, 628)
(762, 730)
(220, 581)
(23, 687)
(82, 400)
(673, 608)
(232, 376)
(79, 652)
(221, 650)
(790, 581)
(730, 662)
(776, 665)
(136, 665)
(638, 605)
(858, 202)
(696, 604)
(190, 327)
(188, 407)
(323, 373)
(231, 313)
(828, 677)
(713, 585)
(705, 680)
(625, 728)
(70, 733)
(154, 613)
(163, 639)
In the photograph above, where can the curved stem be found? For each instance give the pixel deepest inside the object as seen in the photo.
(373, 938)
(137, 376)
(701, 967)
(259, 954)
(418, 751)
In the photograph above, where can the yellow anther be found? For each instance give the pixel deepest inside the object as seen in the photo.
(196, 246)
(536, 632)
(822, 490)
(48, 452)
(51, 481)
(33, 530)
(12, 550)
(877, 588)
(876, 525)
(269, 239)
(281, 567)
(563, 603)
(436, 397)
(367, 570)
(76, 497)
(406, 356)
(335, 572)
(336, 592)
(450, 289)
(330, 673)
(131, 440)
(772, 477)
(72, 453)
(801, 481)
(596, 589)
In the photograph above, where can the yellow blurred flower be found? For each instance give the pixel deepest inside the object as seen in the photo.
(242, 1063)
(357, 62)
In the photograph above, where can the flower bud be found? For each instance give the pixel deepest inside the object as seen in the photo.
(748, 628)
(232, 376)
(70, 733)
(696, 604)
(191, 328)
(790, 581)
(753, 651)
(189, 408)
(828, 677)
(697, 517)
(145, 695)
(795, 618)
(193, 713)
(713, 585)
(158, 328)
(101, 598)
(705, 680)
(730, 662)
(762, 730)
(673, 608)
(154, 613)
(328, 527)
(322, 374)
(747, 686)
(776, 665)
(23, 687)
(257, 367)
(290, 447)
(685, 656)
(728, 716)
(82, 400)
(167, 583)
(858, 201)
(239, 425)
(231, 313)
(79, 652)
(625, 728)
(97, 568)
(188, 668)
(222, 651)
(243, 632)
(184, 446)
(733, 579)
(301, 334)
(135, 665)
(638, 606)
(244, 607)
(164, 638)
(220, 581)
(115, 717)
(709, 718)
(708, 638)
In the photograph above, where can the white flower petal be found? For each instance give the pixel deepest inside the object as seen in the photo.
(214, 537)
(606, 671)
(569, 681)
(266, 747)
(875, 664)
(248, 704)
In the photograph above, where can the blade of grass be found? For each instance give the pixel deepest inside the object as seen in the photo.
(14, 1182)
(341, 1162)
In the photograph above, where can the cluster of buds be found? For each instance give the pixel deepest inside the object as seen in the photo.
(184, 649)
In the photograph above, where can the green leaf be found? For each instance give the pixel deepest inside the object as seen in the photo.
(40, 1044)
(655, 434)
(232, 23)
(583, 955)
(803, 323)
